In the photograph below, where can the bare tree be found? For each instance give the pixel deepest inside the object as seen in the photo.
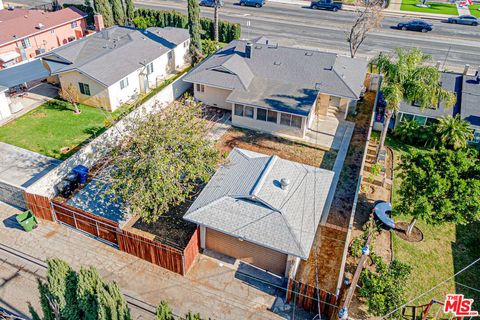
(369, 15)
(70, 93)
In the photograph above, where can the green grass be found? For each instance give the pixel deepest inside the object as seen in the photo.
(475, 10)
(53, 126)
(445, 250)
(435, 7)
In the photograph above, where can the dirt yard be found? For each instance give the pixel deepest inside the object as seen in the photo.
(268, 144)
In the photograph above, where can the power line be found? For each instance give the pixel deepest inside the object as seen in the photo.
(464, 285)
(431, 289)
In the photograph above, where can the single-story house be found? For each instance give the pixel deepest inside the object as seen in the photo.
(261, 209)
(117, 64)
(467, 91)
(277, 89)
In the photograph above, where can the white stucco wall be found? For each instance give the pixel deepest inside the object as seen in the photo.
(214, 97)
(181, 54)
(4, 106)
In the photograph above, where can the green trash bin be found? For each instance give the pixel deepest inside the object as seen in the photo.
(27, 220)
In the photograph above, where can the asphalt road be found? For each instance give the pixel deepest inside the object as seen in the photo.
(294, 25)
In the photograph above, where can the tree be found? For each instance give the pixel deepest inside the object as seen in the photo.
(79, 296)
(216, 7)
(209, 47)
(71, 94)
(194, 28)
(164, 312)
(369, 15)
(104, 8)
(407, 131)
(129, 12)
(454, 132)
(385, 287)
(440, 186)
(409, 78)
(118, 12)
(163, 158)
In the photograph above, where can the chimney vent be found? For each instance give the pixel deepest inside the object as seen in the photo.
(465, 70)
(284, 183)
(248, 50)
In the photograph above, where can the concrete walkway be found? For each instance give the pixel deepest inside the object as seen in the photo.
(209, 288)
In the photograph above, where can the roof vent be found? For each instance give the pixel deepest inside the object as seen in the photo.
(277, 63)
(284, 183)
(40, 26)
(248, 50)
(309, 53)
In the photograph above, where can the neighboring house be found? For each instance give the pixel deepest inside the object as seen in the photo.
(117, 64)
(261, 209)
(4, 103)
(467, 91)
(277, 89)
(24, 34)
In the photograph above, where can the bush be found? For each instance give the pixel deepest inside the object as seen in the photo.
(145, 18)
(412, 133)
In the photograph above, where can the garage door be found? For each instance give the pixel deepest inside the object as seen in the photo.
(256, 255)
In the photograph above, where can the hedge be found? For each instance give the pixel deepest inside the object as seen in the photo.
(85, 8)
(145, 18)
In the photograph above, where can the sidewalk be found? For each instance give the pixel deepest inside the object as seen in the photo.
(209, 288)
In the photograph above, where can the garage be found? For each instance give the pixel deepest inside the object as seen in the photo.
(261, 257)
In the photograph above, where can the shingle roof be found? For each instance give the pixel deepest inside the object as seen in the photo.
(294, 71)
(451, 82)
(19, 23)
(244, 199)
(113, 53)
(470, 109)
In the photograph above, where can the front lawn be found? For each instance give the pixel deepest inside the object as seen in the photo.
(444, 250)
(53, 129)
(435, 7)
(475, 10)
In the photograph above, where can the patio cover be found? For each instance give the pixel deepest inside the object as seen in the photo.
(8, 56)
(21, 73)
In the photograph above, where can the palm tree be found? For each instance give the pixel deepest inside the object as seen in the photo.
(217, 5)
(407, 130)
(454, 132)
(408, 77)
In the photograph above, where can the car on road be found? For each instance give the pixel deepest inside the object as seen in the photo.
(415, 25)
(326, 5)
(252, 3)
(470, 20)
(210, 3)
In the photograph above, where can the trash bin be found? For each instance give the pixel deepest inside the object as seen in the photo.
(82, 173)
(27, 220)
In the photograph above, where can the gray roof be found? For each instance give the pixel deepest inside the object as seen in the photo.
(451, 82)
(244, 199)
(470, 109)
(110, 55)
(280, 77)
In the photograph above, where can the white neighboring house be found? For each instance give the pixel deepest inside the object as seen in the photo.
(117, 64)
(4, 103)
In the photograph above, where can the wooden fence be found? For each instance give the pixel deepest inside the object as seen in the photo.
(306, 297)
(39, 205)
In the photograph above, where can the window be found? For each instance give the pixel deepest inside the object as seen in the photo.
(272, 116)
(285, 119)
(150, 68)
(431, 121)
(248, 112)
(123, 83)
(170, 55)
(407, 117)
(200, 87)
(73, 24)
(239, 110)
(84, 88)
(185, 44)
(476, 136)
(26, 43)
(296, 121)
(261, 114)
(52, 31)
(421, 120)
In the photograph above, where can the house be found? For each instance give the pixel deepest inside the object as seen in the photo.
(467, 106)
(261, 209)
(277, 89)
(5, 111)
(25, 34)
(117, 64)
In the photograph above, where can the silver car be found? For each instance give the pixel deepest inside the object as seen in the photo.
(470, 20)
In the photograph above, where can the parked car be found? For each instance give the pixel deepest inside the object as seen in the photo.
(252, 3)
(326, 5)
(210, 3)
(470, 20)
(415, 25)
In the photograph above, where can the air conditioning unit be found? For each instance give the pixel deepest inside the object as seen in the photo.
(40, 51)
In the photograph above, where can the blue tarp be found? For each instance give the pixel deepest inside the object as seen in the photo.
(25, 72)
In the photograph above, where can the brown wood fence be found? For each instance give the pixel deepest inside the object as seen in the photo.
(306, 297)
(191, 250)
(82, 220)
(39, 205)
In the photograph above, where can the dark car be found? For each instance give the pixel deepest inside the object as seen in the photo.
(210, 3)
(252, 3)
(326, 5)
(470, 20)
(415, 25)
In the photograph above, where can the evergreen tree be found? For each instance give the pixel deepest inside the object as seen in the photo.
(118, 12)
(104, 8)
(164, 312)
(129, 11)
(194, 28)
